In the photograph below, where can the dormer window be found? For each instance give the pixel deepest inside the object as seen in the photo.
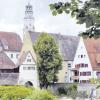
(11, 55)
(81, 56)
(28, 60)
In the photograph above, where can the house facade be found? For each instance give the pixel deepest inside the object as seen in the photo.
(86, 61)
(10, 46)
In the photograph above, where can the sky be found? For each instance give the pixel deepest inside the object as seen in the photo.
(12, 14)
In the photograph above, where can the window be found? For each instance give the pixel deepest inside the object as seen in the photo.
(86, 65)
(17, 55)
(28, 60)
(84, 56)
(81, 56)
(82, 65)
(28, 68)
(81, 74)
(88, 73)
(11, 55)
(85, 73)
(77, 66)
(31, 68)
(69, 65)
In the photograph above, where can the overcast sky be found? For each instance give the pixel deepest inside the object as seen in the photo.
(12, 18)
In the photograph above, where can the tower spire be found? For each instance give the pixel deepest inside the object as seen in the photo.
(29, 2)
(28, 19)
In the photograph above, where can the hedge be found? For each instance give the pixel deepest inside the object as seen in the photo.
(38, 94)
(14, 92)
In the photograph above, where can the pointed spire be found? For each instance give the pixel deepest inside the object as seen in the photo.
(28, 19)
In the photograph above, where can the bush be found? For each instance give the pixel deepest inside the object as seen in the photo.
(69, 90)
(62, 90)
(38, 94)
(14, 92)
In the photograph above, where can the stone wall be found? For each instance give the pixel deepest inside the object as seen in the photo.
(80, 88)
(9, 78)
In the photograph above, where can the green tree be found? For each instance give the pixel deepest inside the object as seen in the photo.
(87, 12)
(49, 61)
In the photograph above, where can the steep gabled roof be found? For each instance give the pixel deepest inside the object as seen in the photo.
(5, 62)
(27, 47)
(11, 40)
(93, 49)
(67, 44)
(23, 57)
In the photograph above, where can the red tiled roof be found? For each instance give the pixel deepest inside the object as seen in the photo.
(93, 49)
(12, 40)
(5, 62)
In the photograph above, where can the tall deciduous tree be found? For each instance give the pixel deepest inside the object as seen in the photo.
(87, 12)
(49, 61)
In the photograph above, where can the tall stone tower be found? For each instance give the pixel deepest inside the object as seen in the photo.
(28, 73)
(28, 19)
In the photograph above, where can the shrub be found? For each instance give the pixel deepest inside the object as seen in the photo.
(62, 90)
(38, 94)
(14, 92)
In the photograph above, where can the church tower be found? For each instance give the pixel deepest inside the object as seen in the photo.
(28, 72)
(28, 19)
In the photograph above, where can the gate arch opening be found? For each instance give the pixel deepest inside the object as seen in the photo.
(28, 84)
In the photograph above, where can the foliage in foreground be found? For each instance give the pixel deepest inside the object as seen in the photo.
(38, 94)
(14, 92)
(87, 12)
(94, 81)
(49, 60)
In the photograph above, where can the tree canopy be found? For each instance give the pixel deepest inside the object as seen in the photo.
(87, 12)
(49, 61)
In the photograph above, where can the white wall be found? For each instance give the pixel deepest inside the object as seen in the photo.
(14, 58)
(26, 74)
(81, 50)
